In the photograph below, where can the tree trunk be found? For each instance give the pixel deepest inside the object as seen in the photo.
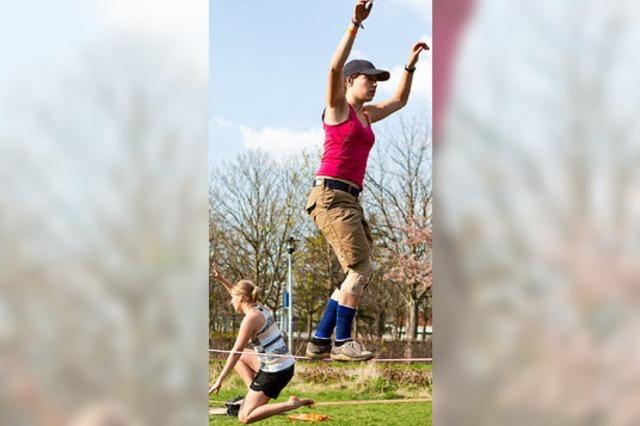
(309, 325)
(412, 320)
(381, 321)
(399, 321)
(428, 315)
(411, 327)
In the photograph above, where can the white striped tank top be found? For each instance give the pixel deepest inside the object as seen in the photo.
(269, 340)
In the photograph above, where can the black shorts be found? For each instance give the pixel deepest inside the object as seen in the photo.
(272, 383)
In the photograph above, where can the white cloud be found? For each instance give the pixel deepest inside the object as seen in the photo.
(281, 141)
(421, 86)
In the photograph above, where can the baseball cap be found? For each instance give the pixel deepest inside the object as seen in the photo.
(361, 66)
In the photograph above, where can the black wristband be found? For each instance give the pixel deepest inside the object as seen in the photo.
(357, 24)
(407, 69)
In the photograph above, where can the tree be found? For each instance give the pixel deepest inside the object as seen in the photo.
(399, 196)
(315, 278)
(255, 207)
(414, 271)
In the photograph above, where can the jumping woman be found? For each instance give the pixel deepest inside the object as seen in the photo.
(333, 202)
(267, 370)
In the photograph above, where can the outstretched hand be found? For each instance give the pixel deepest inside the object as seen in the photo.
(216, 387)
(415, 53)
(362, 10)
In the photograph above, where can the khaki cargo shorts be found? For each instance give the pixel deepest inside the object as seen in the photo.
(340, 218)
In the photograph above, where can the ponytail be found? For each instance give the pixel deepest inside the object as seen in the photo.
(254, 294)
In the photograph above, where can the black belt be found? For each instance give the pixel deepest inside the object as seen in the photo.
(336, 184)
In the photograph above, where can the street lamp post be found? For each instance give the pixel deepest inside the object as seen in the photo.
(291, 247)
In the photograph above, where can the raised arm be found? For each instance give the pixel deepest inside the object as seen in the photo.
(335, 100)
(220, 278)
(381, 110)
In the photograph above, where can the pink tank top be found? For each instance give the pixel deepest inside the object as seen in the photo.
(346, 149)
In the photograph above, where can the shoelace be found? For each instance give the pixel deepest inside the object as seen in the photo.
(355, 345)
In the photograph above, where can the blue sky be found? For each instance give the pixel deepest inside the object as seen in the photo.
(269, 61)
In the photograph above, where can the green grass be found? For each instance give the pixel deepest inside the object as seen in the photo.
(342, 382)
(405, 414)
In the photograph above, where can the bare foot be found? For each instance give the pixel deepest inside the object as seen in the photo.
(297, 402)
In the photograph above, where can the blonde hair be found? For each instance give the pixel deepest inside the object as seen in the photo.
(246, 288)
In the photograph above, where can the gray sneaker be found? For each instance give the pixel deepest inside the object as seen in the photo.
(318, 351)
(350, 351)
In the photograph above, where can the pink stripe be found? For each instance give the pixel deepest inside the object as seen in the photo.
(324, 359)
(259, 354)
(402, 359)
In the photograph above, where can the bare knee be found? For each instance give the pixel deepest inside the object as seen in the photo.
(358, 276)
(336, 294)
(243, 416)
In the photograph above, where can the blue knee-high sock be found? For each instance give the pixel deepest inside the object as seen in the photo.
(327, 322)
(344, 320)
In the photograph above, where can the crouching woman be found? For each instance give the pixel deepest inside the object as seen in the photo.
(268, 369)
